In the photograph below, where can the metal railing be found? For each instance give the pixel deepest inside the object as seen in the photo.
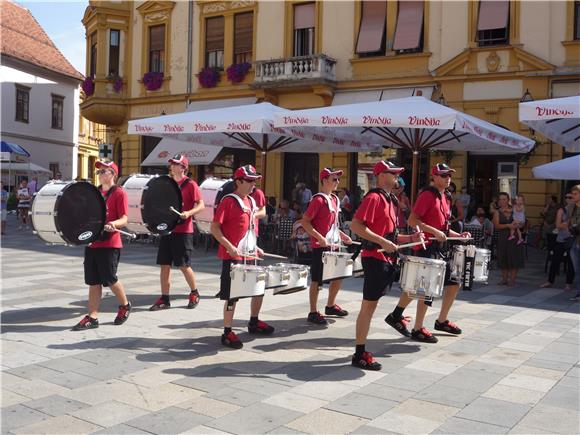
(317, 66)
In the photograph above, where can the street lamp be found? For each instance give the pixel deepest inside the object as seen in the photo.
(526, 98)
(441, 100)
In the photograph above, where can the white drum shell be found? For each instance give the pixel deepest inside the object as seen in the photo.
(481, 268)
(135, 186)
(209, 189)
(298, 279)
(247, 281)
(336, 265)
(43, 212)
(277, 276)
(422, 277)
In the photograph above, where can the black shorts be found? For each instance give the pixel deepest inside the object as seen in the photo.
(176, 249)
(101, 266)
(316, 265)
(378, 278)
(433, 251)
(226, 279)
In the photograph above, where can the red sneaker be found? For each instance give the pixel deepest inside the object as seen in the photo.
(232, 340)
(193, 299)
(260, 328)
(123, 313)
(366, 362)
(423, 335)
(447, 326)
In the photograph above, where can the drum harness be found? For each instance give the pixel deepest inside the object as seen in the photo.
(105, 235)
(182, 186)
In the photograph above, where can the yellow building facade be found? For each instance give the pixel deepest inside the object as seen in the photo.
(314, 54)
(91, 135)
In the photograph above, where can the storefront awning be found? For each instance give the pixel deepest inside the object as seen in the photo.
(369, 95)
(197, 154)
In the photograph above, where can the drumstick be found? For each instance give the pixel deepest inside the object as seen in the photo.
(454, 238)
(406, 245)
(125, 233)
(174, 211)
(422, 241)
(355, 243)
(266, 254)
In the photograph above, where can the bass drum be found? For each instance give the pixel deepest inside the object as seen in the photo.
(150, 198)
(212, 191)
(68, 213)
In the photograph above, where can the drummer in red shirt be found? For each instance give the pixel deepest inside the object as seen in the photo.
(375, 222)
(432, 213)
(321, 222)
(102, 256)
(230, 225)
(177, 248)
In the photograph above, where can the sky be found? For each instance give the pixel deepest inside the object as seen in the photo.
(62, 22)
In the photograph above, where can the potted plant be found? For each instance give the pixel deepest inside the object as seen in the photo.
(208, 77)
(88, 86)
(117, 84)
(153, 80)
(237, 71)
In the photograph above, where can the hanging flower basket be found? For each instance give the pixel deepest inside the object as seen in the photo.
(208, 77)
(118, 84)
(153, 80)
(88, 86)
(237, 71)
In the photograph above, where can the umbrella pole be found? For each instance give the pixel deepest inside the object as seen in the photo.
(264, 168)
(414, 176)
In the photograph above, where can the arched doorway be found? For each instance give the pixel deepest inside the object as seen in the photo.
(300, 168)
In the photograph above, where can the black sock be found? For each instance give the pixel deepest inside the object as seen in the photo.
(359, 350)
(165, 298)
(398, 312)
(253, 320)
(194, 291)
(227, 330)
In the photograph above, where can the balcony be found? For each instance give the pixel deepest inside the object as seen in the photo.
(106, 105)
(314, 69)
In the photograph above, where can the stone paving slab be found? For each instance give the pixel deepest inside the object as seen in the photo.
(515, 369)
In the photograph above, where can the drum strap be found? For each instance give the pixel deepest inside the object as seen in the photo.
(105, 235)
(446, 216)
(330, 200)
(245, 208)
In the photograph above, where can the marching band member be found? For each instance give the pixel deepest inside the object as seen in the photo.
(321, 222)
(231, 224)
(432, 214)
(102, 256)
(375, 222)
(177, 248)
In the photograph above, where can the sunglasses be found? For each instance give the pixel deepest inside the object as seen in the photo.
(569, 197)
(102, 171)
(444, 175)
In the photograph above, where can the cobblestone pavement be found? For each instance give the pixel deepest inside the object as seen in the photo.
(513, 370)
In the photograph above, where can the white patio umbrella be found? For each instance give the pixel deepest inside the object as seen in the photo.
(247, 126)
(197, 154)
(558, 119)
(414, 123)
(565, 169)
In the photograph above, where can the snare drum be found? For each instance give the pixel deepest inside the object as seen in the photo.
(211, 189)
(357, 267)
(422, 277)
(68, 213)
(298, 279)
(461, 256)
(482, 261)
(149, 198)
(247, 281)
(336, 265)
(277, 275)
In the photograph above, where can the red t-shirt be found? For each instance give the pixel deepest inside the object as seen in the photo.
(320, 216)
(379, 216)
(433, 210)
(260, 199)
(117, 207)
(190, 194)
(234, 223)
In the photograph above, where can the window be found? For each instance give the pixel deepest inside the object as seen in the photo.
(304, 28)
(243, 37)
(57, 109)
(371, 35)
(493, 22)
(93, 55)
(214, 42)
(114, 44)
(577, 20)
(22, 101)
(157, 48)
(409, 30)
(54, 168)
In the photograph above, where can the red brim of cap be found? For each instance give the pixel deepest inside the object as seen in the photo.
(100, 165)
(176, 162)
(337, 173)
(252, 177)
(392, 171)
(449, 171)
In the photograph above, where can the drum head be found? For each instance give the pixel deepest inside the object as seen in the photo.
(81, 213)
(162, 192)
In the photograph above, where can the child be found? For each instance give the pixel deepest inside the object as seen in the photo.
(519, 213)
